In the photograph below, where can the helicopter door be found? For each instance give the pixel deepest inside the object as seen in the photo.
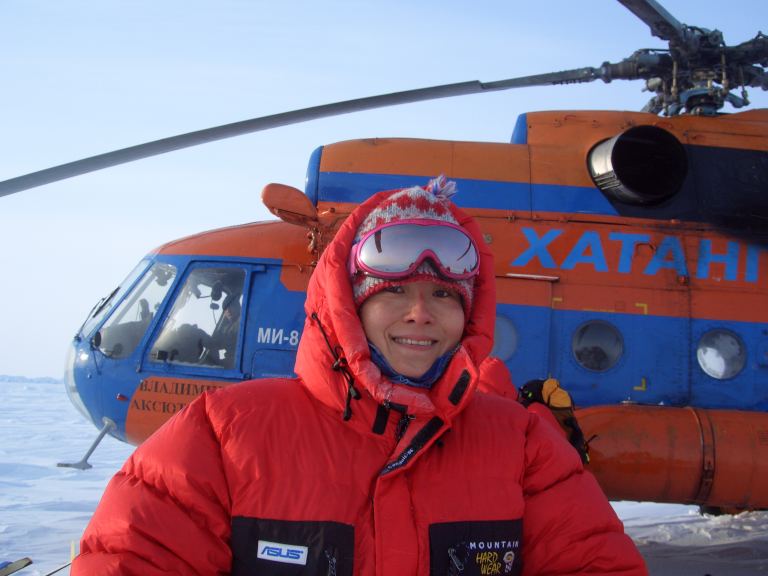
(275, 322)
(662, 337)
(202, 331)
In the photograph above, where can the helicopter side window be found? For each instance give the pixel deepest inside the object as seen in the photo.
(721, 354)
(203, 326)
(505, 337)
(125, 328)
(597, 346)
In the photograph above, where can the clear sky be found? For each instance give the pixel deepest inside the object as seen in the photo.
(85, 77)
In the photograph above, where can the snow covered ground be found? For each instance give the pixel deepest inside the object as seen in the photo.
(44, 509)
(677, 540)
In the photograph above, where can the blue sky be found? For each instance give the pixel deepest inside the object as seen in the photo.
(84, 77)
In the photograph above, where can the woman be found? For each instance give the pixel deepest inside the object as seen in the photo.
(380, 458)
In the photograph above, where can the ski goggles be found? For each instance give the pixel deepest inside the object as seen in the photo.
(397, 249)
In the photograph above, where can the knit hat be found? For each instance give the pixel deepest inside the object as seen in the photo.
(430, 203)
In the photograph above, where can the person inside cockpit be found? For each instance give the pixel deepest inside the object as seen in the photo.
(224, 338)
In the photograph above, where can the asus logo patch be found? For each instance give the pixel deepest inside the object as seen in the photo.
(286, 553)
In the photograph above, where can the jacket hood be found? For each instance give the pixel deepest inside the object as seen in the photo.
(333, 334)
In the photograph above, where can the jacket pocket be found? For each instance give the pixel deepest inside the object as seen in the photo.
(287, 547)
(476, 548)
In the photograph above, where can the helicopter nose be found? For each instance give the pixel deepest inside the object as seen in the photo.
(70, 382)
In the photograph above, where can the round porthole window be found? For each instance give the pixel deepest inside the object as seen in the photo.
(721, 354)
(597, 345)
(504, 338)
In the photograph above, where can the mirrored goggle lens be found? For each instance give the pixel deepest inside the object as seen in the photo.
(398, 249)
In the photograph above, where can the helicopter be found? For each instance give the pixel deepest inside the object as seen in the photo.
(623, 270)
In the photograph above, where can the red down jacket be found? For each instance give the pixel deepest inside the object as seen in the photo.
(267, 477)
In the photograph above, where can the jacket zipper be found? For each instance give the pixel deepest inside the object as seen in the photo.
(402, 425)
(330, 554)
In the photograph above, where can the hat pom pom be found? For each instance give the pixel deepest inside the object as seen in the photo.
(441, 187)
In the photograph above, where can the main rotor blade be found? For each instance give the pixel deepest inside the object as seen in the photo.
(189, 139)
(663, 25)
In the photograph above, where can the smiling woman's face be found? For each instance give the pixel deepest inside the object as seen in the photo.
(413, 324)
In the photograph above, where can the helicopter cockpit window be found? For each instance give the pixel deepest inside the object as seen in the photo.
(103, 306)
(203, 326)
(597, 346)
(721, 354)
(125, 328)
